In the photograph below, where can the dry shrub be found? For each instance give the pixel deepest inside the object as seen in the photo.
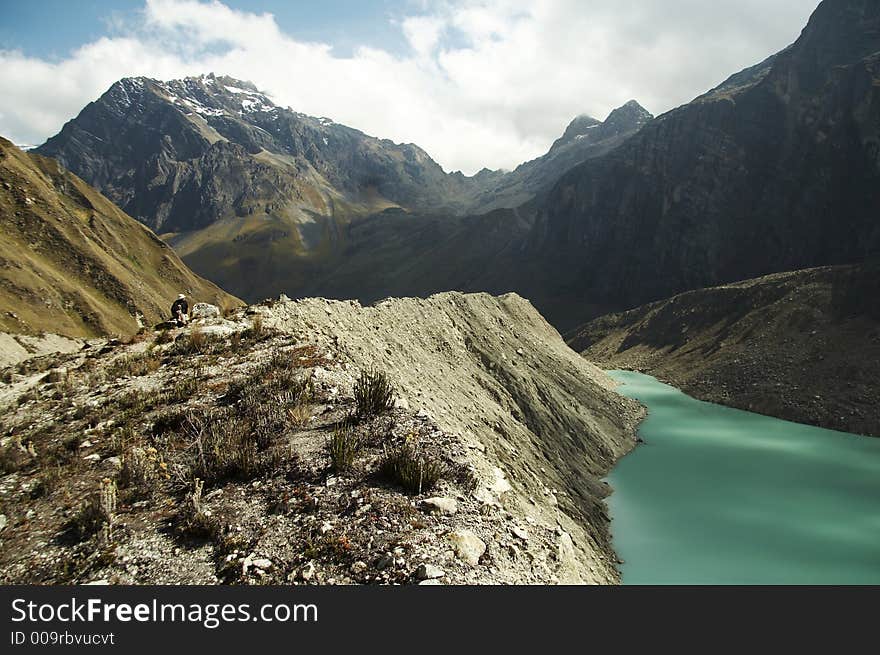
(413, 470)
(373, 393)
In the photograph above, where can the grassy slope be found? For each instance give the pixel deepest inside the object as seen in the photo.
(72, 263)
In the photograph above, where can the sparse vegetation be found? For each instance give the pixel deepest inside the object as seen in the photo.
(95, 514)
(138, 471)
(193, 521)
(225, 445)
(133, 365)
(373, 393)
(412, 469)
(13, 456)
(197, 342)
(344, 445)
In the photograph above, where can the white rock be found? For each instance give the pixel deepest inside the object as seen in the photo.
(430, 582)
(308, 571)
(2, 521)
(429, 572)
(468, 546)
(485, 496)
(204, 310)
(440, 505)
(262, 563)
(520, 532)
(500, 486)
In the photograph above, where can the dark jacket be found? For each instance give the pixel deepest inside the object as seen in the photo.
(179, 305)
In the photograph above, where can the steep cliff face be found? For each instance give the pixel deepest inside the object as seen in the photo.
(74, 264)
(777, 169)
(803, 345)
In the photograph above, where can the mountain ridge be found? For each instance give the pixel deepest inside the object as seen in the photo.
(799, 345)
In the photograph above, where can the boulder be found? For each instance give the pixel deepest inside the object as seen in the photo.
(468, 546)
(429, 572)
(440, 505)
(204, 310)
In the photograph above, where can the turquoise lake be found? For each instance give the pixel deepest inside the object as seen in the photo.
(721, 496)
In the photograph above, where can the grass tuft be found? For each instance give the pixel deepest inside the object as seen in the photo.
(373, 393)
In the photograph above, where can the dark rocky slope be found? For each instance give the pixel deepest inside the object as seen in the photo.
(72, 263)
(181, 155)
(777, 169)
(803, 346)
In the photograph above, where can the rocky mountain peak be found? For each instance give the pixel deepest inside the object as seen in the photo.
(627, 117)
(578, 128)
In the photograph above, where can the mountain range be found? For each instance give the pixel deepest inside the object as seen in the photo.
(775, 169)
(261, 199)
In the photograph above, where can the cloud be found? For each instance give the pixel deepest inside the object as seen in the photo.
(486, 83)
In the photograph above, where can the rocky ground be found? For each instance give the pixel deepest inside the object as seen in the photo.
(803, 346)
(246, 449)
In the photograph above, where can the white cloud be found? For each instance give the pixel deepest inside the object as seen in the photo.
(487, 83)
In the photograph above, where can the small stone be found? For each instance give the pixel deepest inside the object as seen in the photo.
(520, 532)
(430, 582)
(94, 457)
(2, 522)
(308, 571)
(262, 563)
(115, 461)
(429, 572)
(485, 497)
(440, 505)
(500, 486)
(30, 514)
(358, 567)
(384, 562)
(468, 546)
(86, 444)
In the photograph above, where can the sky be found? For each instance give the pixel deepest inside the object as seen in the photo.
(476, 83)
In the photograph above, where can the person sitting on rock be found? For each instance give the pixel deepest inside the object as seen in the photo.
(180, 311)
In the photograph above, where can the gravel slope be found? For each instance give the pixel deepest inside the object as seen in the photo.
(803, 345)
